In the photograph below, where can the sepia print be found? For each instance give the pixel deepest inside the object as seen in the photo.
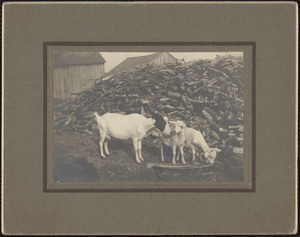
(148, 116)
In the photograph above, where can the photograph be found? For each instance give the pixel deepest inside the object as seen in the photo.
(148, 116)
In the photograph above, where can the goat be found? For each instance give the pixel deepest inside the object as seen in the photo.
(124, 127)
(193, 139)
(171, 137)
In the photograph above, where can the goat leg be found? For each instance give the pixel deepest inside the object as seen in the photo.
(106, 148)
(174, 154)
(182, 155)
(193, 153)
(136, 149)
(177, 156)
(101, 147)
(162, 151)
(140, 150)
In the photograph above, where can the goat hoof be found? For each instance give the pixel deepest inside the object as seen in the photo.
(107, 154)
(141, 158)
(103, 157)
(183, 162)
(138, 161)
(174, 162)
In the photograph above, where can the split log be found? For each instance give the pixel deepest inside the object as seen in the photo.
(216, 70)
(174, 94)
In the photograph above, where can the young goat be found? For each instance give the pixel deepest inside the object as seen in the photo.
(176, 134)
(192, 138)
(172, 137)
(124, 127)
(165, 138)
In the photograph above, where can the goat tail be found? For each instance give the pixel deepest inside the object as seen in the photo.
(96, 114)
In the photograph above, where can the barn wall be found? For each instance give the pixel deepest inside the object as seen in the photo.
(163, 58)
(75, 79)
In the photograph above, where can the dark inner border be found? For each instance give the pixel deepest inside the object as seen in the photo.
(45, 62)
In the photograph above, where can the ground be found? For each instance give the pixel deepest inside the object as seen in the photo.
(77, 158)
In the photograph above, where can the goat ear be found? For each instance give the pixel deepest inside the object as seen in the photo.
(181, 124)
(217, 150)
(156, 114)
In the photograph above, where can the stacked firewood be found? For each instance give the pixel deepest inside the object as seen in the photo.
(206, 94)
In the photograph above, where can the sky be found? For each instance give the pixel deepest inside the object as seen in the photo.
(114, 58)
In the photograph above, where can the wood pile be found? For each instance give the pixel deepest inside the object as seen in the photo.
(206, 94)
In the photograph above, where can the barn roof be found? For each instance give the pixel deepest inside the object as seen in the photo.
(77, 58)
(132, 62)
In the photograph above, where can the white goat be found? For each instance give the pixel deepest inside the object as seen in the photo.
(124, 127)
(171, 137)
(192, 138)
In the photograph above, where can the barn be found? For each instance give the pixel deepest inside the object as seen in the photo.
(75, 72)
(132, 62)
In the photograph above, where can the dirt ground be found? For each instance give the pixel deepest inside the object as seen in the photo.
(77, 158)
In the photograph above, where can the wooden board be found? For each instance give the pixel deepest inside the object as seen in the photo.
(176, 167)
